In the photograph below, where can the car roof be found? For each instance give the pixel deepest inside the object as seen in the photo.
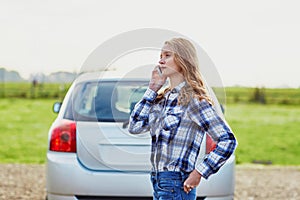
(109, 76)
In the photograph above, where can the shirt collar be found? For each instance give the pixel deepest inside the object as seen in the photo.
(178, 87)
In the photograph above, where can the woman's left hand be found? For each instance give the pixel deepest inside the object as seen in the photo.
(192, 181)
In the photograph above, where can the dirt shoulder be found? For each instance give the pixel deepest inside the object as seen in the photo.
(267, 182)
(253, 182)
(22, 181)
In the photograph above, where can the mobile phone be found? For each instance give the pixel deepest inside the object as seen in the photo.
(159, 70)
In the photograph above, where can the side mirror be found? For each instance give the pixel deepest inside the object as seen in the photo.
(56, 107)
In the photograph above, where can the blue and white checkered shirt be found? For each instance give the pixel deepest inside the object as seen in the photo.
(177, 132)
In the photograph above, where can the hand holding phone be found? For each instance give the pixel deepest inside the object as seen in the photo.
(159, 70)
(157, 82)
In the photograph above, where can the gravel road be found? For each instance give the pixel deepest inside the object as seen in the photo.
(253, 182)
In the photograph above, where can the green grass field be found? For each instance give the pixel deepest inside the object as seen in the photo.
(264, 132)
(24, 127)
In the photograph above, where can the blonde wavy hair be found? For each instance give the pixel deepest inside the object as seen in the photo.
(185, 56)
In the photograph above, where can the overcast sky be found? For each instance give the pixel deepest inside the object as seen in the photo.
(252, 43)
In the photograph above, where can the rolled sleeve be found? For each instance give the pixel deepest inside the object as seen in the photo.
(211, 123)
(204, 170)
(150, 95)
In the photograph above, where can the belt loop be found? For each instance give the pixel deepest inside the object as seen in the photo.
(154, 174)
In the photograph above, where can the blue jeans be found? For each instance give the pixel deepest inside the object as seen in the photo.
(169, 186)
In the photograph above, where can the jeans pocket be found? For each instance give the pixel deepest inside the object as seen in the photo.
(165, 190)
(166, 185)
(189, 196)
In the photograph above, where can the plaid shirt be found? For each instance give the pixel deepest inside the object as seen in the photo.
(177, 132)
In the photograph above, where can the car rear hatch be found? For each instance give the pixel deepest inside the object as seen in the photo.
(109, 146)
(101, 110)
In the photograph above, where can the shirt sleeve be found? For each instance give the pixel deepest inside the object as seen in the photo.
(139, 118)
(203, 113)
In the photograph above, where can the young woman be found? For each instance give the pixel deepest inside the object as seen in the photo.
(178, 118)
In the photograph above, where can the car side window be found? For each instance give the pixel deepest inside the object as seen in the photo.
(83, 99)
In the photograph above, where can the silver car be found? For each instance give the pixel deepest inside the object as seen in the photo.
(91, 155)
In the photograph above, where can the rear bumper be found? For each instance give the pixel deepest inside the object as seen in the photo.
(67, 179)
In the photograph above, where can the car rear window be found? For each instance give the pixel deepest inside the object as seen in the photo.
(104, 101)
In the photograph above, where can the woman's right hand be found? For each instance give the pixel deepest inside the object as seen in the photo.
(157, 79)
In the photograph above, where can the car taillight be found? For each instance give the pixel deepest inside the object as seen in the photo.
(63, 137)
(210, 144)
